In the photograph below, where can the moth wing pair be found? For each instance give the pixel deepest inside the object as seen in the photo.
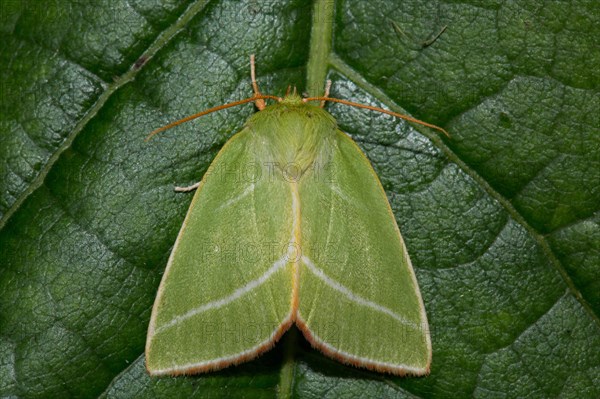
(240, 274)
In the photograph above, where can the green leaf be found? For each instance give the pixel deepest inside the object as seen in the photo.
(502, 220)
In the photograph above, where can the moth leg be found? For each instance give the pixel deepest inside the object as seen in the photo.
(260, 103)
(327, 88)
(188, 188)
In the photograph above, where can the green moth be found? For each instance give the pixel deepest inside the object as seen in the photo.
(290, 225)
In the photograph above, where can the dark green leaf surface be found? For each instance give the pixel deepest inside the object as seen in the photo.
(502, 221)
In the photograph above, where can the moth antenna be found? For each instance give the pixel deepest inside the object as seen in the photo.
(384, 111)
(254, 98)
(287, 92)
(260, 103)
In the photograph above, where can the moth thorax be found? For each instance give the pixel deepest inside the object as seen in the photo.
(293, 157)
(293, 135)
